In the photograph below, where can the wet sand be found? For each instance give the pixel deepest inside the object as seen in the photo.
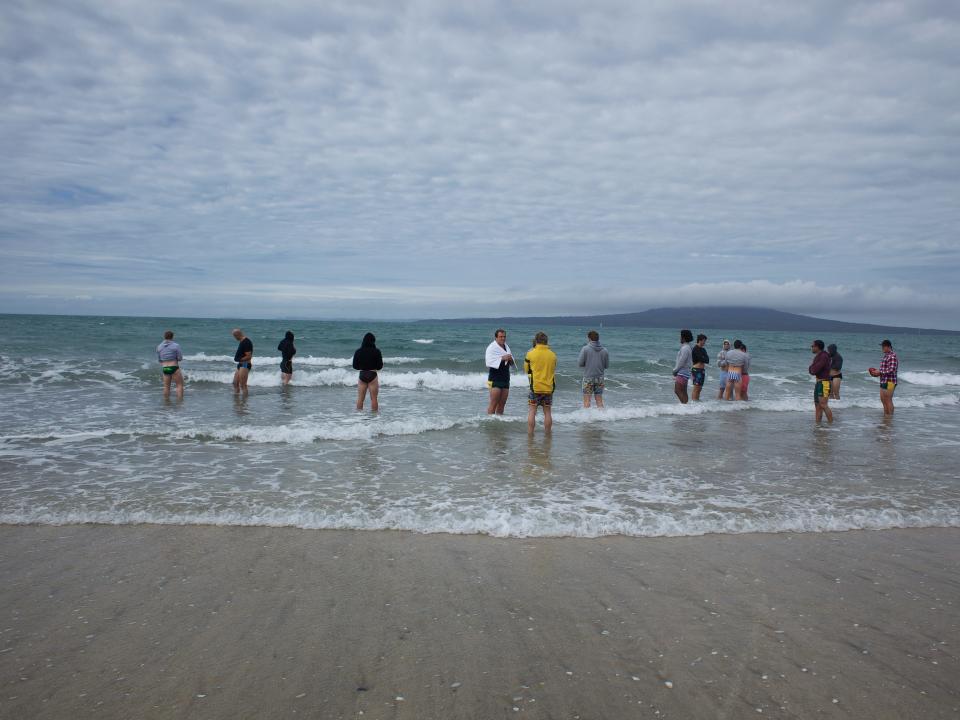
(204, 622)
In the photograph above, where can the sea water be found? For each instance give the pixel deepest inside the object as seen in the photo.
(85, 435)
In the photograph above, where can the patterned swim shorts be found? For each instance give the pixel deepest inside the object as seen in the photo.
(538, 399)
(593, 386)
(699, 376)
(681, 380)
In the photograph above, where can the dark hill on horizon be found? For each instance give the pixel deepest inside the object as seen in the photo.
(713, 318)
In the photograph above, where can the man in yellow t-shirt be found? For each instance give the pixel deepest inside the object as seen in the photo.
(541, 366)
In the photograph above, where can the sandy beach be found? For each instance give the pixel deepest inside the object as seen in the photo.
(206, 622)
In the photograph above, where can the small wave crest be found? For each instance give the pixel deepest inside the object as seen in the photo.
(424, 341)
(309, 360)
(440, 380)
(930, 379)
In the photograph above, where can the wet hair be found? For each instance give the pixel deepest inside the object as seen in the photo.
(738, 344)
(686, 335)
(700, 337)
(168, 334)
(818, 343)
(498, 331)
(289, 335)
(369, 340)
(540, 338)
(594, 335)
(831, 348)
(887, 343)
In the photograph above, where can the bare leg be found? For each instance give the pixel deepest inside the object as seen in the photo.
(547, 418)
(361, 394)
(236, 380)
(285, 378)
(681, 392)
(886, 399)
(178, 379)
(242, 375)
(696, 392)
(166, 385)
(598, 399)
(502, 404)
(531, 418)
(586, 401)
(374, 392)
(494, 401)
(736, 390)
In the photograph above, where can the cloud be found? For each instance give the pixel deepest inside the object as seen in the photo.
(428, 145)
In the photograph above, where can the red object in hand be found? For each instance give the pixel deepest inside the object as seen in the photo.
(873, 372)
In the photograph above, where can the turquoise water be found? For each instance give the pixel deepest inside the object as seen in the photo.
(87, 437)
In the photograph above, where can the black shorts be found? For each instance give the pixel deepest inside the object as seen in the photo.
(286, 366)
(367, 376)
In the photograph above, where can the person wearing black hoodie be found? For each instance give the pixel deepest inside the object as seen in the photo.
(287, 351)
(368, 360)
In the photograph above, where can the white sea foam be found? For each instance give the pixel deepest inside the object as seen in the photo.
(428, 380)
(542, 521)
(309, 360)
(424, 341)
(930, 379)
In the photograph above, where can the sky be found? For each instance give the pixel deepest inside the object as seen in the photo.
(395, 160)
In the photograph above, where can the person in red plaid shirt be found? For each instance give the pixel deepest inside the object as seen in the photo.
(889, 365)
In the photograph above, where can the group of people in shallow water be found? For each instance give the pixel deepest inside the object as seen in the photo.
(540, 366)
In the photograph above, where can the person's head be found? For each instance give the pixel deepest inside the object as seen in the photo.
(540, 338)
(685, 335)
(289, 335)
(738, 344)
(832, 349)
(743, 346)
(887, 346)
(500, 335)
(369, 340)
(168, 334)
(593, 336)
(701, 339)
(237, 334)
(726, 344)
(816, 346)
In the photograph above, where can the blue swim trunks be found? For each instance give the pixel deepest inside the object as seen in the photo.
(699, 375)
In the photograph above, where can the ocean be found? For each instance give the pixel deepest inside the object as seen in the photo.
(85, 436)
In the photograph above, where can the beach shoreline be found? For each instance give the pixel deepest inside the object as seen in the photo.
(155, 621)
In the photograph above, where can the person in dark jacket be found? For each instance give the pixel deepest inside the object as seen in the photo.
(368, 360)
(820, 369)
(287, 351)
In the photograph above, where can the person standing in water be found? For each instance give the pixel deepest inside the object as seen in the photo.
(722, 364)
(287, 351)
(700, 361)
(369, 361)
(244, 360)
(541, 366)
(820, 369)
(169, 354)
(681, 371)
(499, 360)
(594, 359)
(836, 371)
(735, 359)
(889, 365)
(745, 373)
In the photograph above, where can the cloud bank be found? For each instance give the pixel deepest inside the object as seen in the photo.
(427, 159)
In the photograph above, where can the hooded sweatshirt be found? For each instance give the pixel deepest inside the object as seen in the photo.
(169, 350)
(594, 359)
(367, 356)
(286, 348)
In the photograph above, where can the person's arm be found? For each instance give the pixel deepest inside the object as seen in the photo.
(379, 359)
(582, 358)
(356, 363)
(606, 359)
(179, 354)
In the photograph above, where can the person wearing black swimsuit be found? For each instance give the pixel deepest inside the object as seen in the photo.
(368, 360)
(287, 351)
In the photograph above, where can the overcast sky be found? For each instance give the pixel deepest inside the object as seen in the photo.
(427, 159)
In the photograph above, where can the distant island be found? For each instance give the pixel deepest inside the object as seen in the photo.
(704, 318)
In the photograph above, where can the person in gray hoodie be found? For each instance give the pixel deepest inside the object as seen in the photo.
(594, 359)
(683, 367)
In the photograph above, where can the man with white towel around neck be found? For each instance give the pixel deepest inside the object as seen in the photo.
(499, 360)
